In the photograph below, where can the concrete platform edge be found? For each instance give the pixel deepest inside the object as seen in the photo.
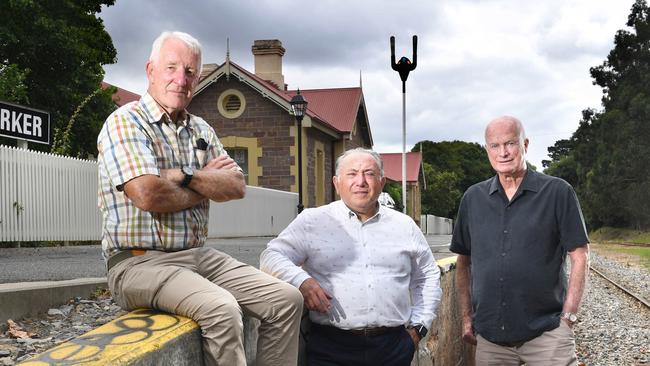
(29, 298)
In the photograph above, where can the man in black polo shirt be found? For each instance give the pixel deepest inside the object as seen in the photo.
(512, 236)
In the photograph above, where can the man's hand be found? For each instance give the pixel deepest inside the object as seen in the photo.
(316, 299)
(222, 162)
(468, 333)
(414, 336)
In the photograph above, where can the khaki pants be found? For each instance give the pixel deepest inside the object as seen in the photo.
(214, 289)
(553, 348)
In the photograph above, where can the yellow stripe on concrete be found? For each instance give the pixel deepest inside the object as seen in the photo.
(447, 263)
(118, 342)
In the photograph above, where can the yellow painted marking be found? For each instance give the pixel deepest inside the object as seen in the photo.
(447, 263)
(118, 342)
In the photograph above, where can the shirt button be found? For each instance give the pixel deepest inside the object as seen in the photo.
(500, 279)
(503, 327)
(503, 303)
(369, 286)
(505, 231)
(503, 254)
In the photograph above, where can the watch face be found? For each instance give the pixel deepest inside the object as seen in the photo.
(421, 330)
(187, 170)
(573, 318)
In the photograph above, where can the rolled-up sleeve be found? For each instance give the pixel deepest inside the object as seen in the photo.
(285, 254)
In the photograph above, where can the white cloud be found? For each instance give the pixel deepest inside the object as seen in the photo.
(477, 59)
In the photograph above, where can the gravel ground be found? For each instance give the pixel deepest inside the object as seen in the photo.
(57, 326)
(612, 329)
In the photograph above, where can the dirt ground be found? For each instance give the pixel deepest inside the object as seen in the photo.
(613, 252)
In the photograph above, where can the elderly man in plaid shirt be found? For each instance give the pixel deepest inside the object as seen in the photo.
(159, 167)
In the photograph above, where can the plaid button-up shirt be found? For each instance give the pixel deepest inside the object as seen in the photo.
(138, 139)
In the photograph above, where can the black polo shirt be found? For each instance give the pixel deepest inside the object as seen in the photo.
(518, 251)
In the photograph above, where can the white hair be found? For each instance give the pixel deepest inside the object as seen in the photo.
(189, 41)
(361, 150)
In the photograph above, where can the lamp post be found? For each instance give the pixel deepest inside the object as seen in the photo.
(299, 106)
(403, 67)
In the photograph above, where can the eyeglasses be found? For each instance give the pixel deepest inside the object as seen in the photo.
(508, 145)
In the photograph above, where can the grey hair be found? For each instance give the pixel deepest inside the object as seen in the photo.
(361, 150)
(189, 41)
(518, 126)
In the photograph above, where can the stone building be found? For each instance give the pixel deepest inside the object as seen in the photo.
(251, 114)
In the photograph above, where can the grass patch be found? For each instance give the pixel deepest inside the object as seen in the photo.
(619, 235)
(604, 241)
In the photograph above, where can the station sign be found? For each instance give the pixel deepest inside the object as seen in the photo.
(24, 123)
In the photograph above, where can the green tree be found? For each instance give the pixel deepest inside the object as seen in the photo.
(605, 159)
(394, 189)
(53, 52)
(442, 194)
(450, 167)
(12, 84)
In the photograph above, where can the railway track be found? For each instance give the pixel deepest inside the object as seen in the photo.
(628, 292)
(642, 245)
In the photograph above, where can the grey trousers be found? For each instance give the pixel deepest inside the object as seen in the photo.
(214, 290)
(556, 347)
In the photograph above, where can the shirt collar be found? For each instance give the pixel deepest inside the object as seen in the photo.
(351, 214)
(155, 113)
(530, 182)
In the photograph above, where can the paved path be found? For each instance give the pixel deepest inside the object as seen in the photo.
(65, 263)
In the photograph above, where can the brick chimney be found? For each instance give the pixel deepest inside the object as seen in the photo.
(268, 61)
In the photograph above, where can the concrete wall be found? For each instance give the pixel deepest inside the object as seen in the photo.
(443, 345)
(263, 212)
(436, 225)
(21, 299)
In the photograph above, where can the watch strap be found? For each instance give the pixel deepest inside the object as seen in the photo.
(420, 329)
(188, 174)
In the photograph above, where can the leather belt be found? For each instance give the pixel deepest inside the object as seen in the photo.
(122, 255)
(365, 332)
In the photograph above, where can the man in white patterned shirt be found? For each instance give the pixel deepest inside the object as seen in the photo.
(159, 167)
(365, 271)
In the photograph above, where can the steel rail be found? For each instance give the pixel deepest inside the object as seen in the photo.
(622, 288)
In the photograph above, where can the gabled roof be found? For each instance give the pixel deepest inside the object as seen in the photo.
(336, 108)
(393, 166)
(121, 96)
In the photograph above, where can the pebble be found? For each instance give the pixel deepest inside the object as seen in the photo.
(612, 328)
(56, 326)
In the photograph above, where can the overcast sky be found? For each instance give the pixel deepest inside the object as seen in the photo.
(476, 59)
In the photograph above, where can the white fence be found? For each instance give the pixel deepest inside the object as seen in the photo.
(47, 197)
(436, 225)
(51, 197)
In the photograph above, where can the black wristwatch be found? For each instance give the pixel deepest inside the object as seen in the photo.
(420, 329)
(189, 173)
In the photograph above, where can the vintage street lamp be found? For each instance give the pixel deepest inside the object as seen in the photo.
(299, 107)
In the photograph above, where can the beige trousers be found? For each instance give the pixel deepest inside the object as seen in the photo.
(553, 348)
(214, 289)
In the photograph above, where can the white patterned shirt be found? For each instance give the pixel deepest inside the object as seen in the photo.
(380, 272)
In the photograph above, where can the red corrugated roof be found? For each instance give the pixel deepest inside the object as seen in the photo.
(336, 107)
(393, 166)
(121, 96)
